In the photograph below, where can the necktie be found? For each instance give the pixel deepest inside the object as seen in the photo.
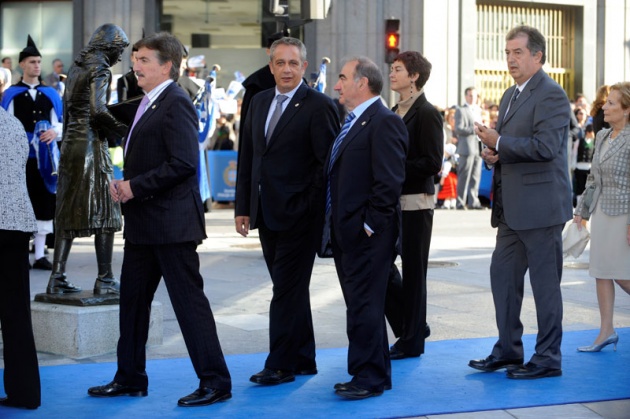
(139, 113)
(334, 152)
(275, 117)
(516, 93)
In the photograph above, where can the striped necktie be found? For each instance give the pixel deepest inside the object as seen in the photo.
(334, 152)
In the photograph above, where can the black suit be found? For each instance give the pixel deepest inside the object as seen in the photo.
(366, 180)
(164, 222)
(280, 187)
(406, 307)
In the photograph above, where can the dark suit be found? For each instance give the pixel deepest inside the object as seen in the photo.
(280, 187)
(406, 307)
(366, 180)
(164, 222)
(532, 203)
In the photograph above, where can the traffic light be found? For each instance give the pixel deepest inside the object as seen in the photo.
(392, 39)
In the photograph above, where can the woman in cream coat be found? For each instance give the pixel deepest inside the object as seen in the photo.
(17, 224)
(610, 212)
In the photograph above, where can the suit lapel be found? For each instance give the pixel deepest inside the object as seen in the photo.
(148, 114)
(289, 112)
(522, 97)
(615, 145)
(357, 127)
(259, 119)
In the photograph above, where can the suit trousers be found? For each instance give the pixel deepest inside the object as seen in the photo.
(540, 251)
(468, 178)
(21, 370)
(289, 256)
(143, 267)
(406, 303)
(363, 274)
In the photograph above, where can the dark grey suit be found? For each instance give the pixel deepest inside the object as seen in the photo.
(532, 203)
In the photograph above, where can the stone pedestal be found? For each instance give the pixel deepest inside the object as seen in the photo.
(80, 330)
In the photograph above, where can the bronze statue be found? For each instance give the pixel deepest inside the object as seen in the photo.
(84, 206)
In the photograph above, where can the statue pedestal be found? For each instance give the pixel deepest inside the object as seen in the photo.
(81, 325)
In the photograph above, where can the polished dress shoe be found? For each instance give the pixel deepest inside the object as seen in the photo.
(395, 353)
(5, 401)
(106, 286)
(531, 371)
(59, 285)
(114, 389)
(204, 396)
(353, 392)
(612, 339)
(272, 377)
(346, 385)
(305, 371)
(492, 363)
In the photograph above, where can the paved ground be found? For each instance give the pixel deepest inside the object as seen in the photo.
(460, 303)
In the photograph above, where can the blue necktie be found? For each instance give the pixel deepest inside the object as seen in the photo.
(334, 152)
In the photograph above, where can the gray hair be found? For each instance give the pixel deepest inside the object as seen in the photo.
(368, 69)
(535, 40)
(291, 42)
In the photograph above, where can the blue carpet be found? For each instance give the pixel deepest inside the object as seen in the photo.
(438, 382)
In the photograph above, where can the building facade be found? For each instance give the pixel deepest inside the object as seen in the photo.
(588, 40)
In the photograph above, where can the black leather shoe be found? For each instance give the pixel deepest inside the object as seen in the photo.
(59, 285)
(305, 371)
(204, 396)
(355, 393)
(42, 264)
(4, 401)
(427, 330)
(106, 286)
(345, 386)
(272, 377)
(531, 371)
(114, 389)
(395, 353)
(492, 363)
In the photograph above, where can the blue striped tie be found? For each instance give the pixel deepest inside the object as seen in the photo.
(333, 155)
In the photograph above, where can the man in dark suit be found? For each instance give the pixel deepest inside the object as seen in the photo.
(164, 223)
(469, 162)
(280, 191)
(532, 202)
(365, 173)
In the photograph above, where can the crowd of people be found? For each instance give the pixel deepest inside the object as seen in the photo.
(361, 190)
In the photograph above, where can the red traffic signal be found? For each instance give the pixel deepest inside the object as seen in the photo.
(392, 39)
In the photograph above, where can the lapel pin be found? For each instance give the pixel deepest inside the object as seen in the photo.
(297, 104)
(153, 107)
(363, 123)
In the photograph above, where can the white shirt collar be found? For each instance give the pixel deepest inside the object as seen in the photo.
(155, 93)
